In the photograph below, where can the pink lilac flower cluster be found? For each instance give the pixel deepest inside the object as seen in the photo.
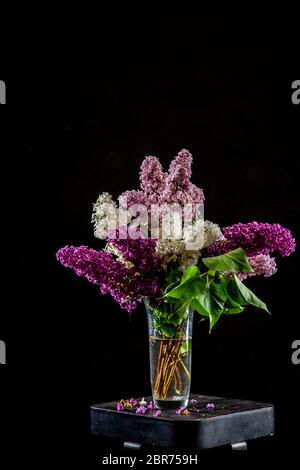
(263, 265)
(159, 187)
(152, 177)
(126, 285)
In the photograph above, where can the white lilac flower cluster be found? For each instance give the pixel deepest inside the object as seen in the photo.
(176, 250)
(107, 216)
(212, 233)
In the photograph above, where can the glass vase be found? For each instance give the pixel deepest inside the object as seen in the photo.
(170, 362)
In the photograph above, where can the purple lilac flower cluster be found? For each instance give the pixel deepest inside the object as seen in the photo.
(136, 250)
(125, 284)
(255, 238)
(258, 240)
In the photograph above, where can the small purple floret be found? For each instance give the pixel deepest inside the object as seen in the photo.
(180, 410)
(141, 410)
(133, 402)
(210, 406)
(151, 406)
(120, 407)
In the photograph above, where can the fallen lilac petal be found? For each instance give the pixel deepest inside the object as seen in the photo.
(128, 405)
(157, 413)
(180, 410)
(141, 410)
(133, 402)
(120, 407)
(151, 406)
(210, 406)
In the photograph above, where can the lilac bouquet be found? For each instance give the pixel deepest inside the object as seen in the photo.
(159, 247)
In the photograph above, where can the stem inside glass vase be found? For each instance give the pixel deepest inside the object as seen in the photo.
(170, 361)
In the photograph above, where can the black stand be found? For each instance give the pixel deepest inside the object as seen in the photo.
(229, 422)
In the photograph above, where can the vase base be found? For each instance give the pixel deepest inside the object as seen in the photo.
(170, 404)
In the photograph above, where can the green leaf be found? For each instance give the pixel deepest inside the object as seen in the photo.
(234, 261)
(190, 273)
(169, 287)
(210, 302)
(189, 290)
(190, 286)
(199, 308)
(230, 303)
(231, 306)
(169, 300)
(243, 295)
(179, 313)
(168, 329)
(169, 316)
(233, 311)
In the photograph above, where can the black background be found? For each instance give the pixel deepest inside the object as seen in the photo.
(80, 124)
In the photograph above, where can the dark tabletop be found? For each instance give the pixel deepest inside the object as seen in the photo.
(208, 422)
